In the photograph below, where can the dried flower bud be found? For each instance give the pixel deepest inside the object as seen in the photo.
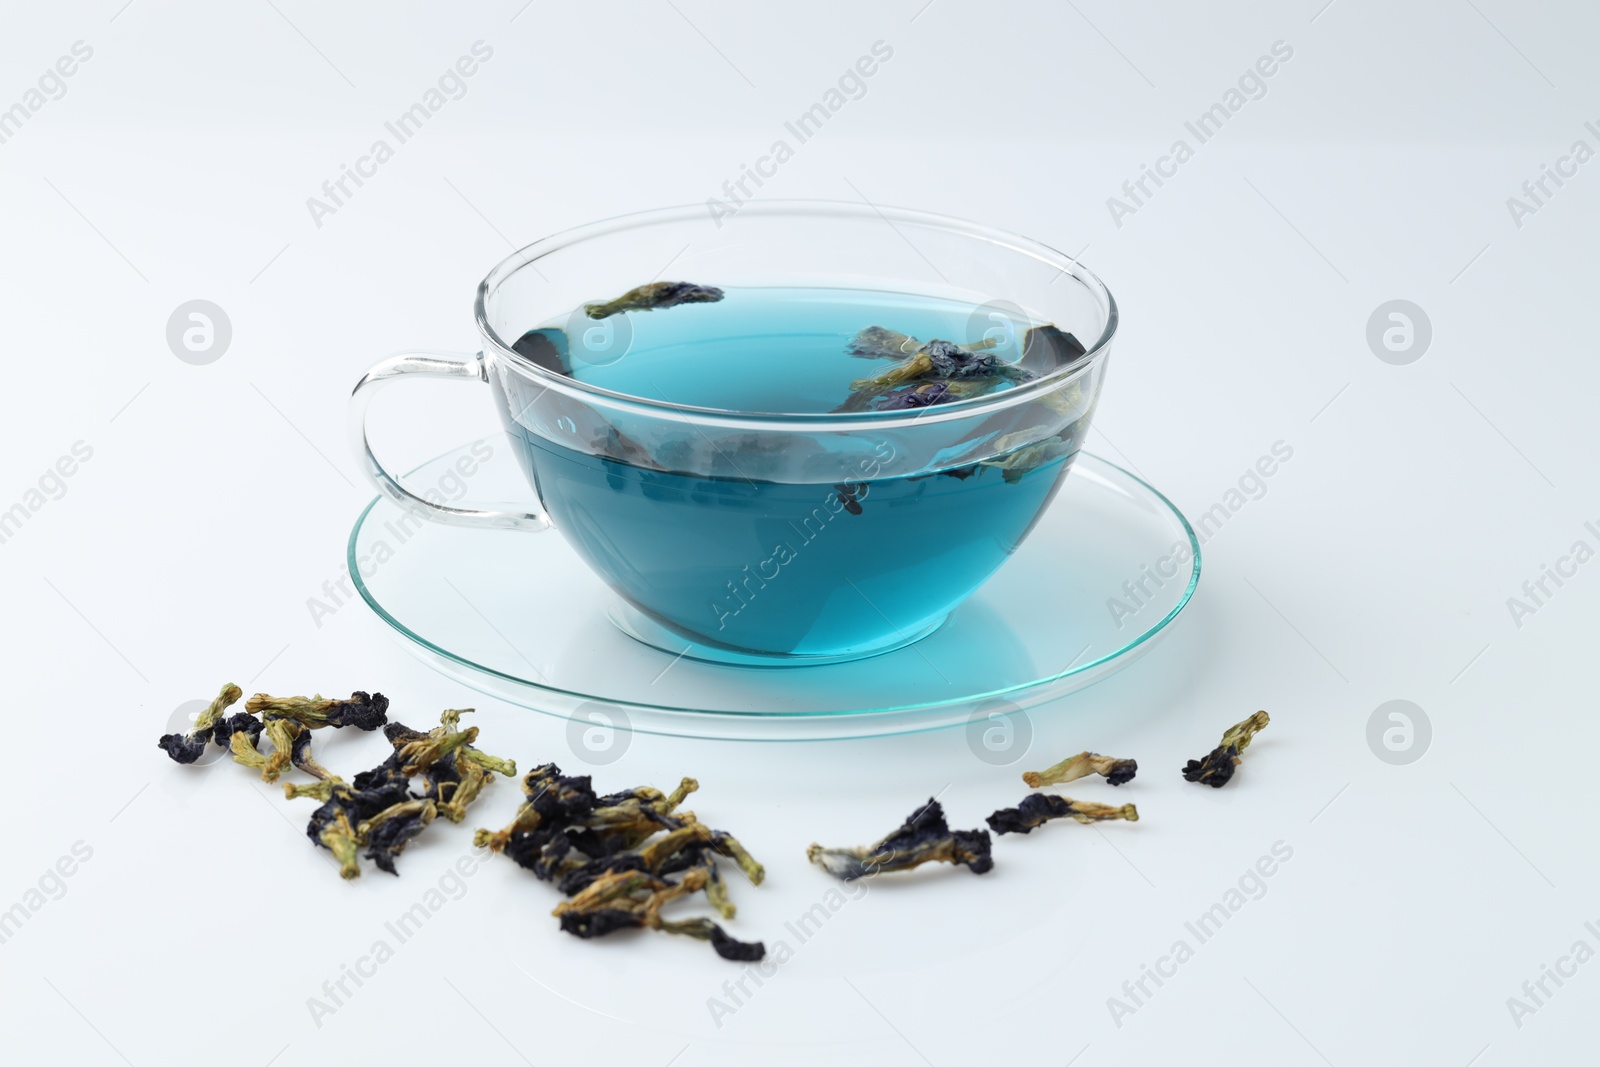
(1037, 809)
(242, 745)
(1051, 346)
(726, 946)
(363, 711)
(186, 748)
(1216, 767)
(390, 830)
(924, 837)
(282, 733)
(1115, 771)
(300, 755)
(453, 783)
(337, 824)
(1030, 456)
(239, 722)
(653, 296)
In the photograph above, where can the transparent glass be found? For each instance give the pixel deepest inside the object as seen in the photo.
(766, 537)
(1099, 582)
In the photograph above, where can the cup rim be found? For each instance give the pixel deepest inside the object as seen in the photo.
(1007, 239)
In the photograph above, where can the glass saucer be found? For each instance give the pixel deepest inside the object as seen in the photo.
(1106, 570)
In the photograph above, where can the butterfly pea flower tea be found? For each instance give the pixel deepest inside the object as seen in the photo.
(815, 438)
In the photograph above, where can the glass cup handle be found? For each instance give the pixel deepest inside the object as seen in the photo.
(453, 365)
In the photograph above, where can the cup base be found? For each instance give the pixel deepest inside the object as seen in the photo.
(642, 628)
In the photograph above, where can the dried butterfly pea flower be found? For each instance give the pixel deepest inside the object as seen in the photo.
(681, 849)
(630, 900)
(445, 743)
(1039, 808)
(723, 844)
(878, 342)
(1115, 771)
(545, 348)
(388, 832)
(615, 856)
(850, 496)
(239, 722)
(649, 858)
(1029, 456)
(186, 748)
(622, 819)
(923, 395)
(282, 733)
(454, 783)
(300, 755)
(946, 361)
(726, 946)
(1051, 346)
(1216, 767)
(242, 746)
(338, 824)
(653, 296)
(716, 889)
(923, 838)
(363, 711)
(551, 798)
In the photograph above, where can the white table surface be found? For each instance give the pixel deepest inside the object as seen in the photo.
(1417, 899)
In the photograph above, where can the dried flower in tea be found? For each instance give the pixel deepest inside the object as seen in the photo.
(1022, 452)
(878, 342)
(916, 396)
(975, 370)
(1115, 771)
(186, 748)
(923, 838)
(1037, 809)
(540, 347)
(1216, 767)
(1051, 346)
(655, 295)
(850, 496)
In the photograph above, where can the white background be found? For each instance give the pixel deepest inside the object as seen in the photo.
(1377, 566)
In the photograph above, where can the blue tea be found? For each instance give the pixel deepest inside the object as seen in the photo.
(702, 538)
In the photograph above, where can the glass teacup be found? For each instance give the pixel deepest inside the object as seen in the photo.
(747, 533)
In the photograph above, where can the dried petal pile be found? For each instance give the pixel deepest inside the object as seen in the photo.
(376, 814)
(615, 857)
